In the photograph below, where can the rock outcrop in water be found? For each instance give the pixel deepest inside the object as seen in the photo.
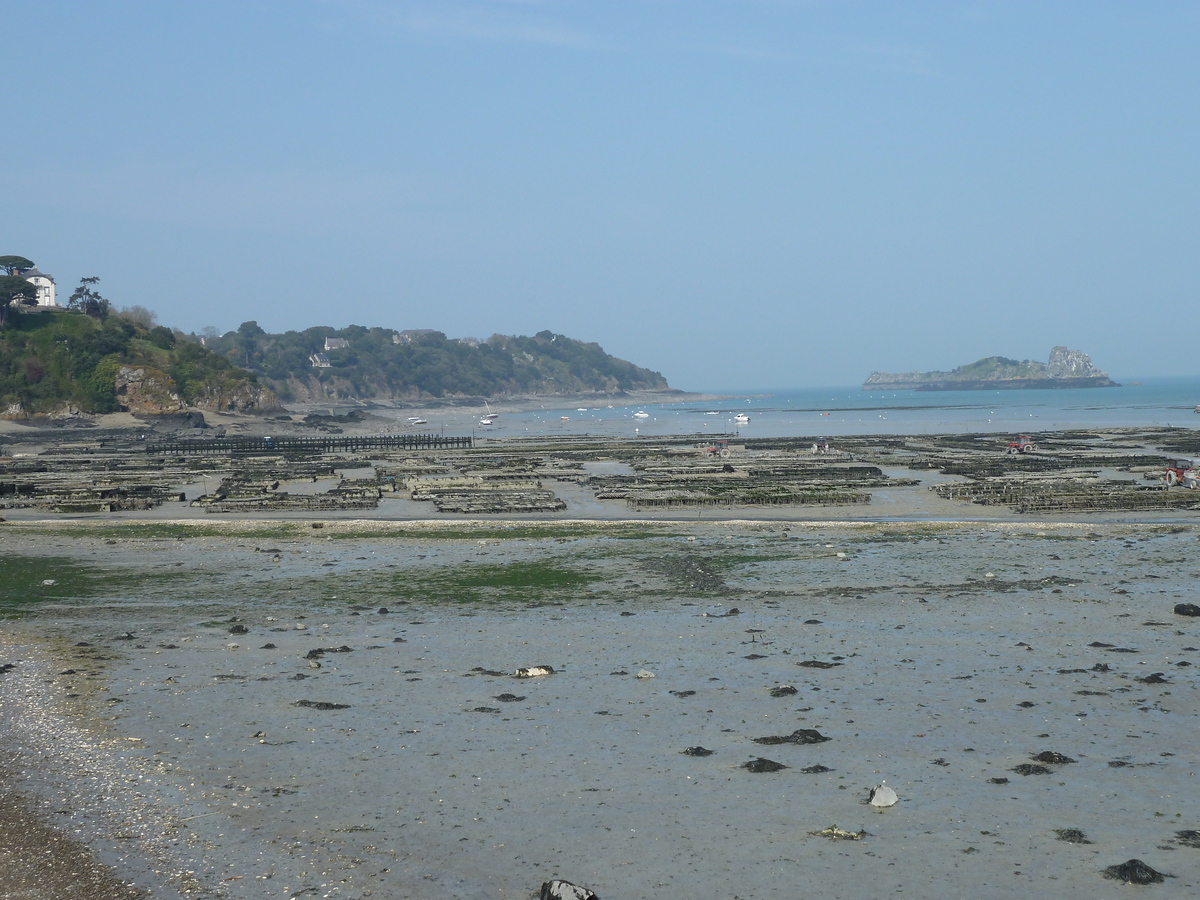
(1065, 369)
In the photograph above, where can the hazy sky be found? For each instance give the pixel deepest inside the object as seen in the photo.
(739, 193)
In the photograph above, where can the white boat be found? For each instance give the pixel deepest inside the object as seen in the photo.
(491, 417)
(742, 419)
(417, 420)
(641, 414)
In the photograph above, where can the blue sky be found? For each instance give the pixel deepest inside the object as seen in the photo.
(738, 193)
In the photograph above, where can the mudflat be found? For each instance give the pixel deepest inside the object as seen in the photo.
(269, 709)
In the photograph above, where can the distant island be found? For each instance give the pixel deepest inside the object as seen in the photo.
(1066, 369)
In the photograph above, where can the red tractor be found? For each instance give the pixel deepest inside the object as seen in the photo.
(1180, 471)
(1023, 444)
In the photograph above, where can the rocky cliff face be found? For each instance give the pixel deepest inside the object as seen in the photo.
(1066, 363)
(238, 397)
(147, 391)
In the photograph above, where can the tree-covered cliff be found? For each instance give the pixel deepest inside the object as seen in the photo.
(380, 363)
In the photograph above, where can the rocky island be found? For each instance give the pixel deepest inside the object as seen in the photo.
(1066, 369)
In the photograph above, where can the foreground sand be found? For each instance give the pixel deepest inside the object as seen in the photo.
(945, 656)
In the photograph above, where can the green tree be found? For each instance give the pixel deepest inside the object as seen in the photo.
(15, 265)
(14, 289)
(88, 301)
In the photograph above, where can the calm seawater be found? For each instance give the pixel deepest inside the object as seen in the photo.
(818, 412)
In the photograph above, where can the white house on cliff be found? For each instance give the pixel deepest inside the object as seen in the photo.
(47, 294)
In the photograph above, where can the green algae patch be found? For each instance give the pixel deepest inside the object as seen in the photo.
(33, 579)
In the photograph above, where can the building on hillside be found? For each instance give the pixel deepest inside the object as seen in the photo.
(332, 343)
(409, 334)
(469, 341)
(319, 361)
(47, 291)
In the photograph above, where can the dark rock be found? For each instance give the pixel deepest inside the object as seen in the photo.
(267, 647)
(1101, 667)
(998, 780)
(485, 709)
(812, 622)
(683, 693)
(1029, 769)
(558, 889)
(816, 770)
(1155, 678)
(7, 667)
(1134, 871)
(754, 656)
(784, 690)
(817, 664)
(697, 751)
(1187, 609)
(320, 704)
(1101, 644)
(318, 652)
(383, 610)
(799, 736)
(399, 640)
(1049, 756)
(1117, 764)
(761, 765)
(1071, 836)
(239, 629)
(626, 612)
(1025, 704)
(509, 698)
(1189, 838)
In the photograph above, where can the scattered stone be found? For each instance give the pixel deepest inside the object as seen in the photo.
(1049, 756)
(882, 796)
(233, 646)
(7, 667)
(697, 751)
(485, 709)
(816, 770)
(755, 656)
(682, 693)
(940, 761)
(817, 664)
(1155, 678)
(1117, 764)
(320, 704)
(732, 612)
(783, 690)
(383, 611)
(1025, 704)
(1187, 609)
(534, 671)
(238, 629)
(839, 834)
(799, 736)
(557, 889)
(1000, 780)
(1030, 769)
(1134, 871)
(1101, 667)
(1189, 838)
(645, 673)
(761, 764)
(318, 652)
(509, 698)
(1072, 836)
(626, 612)
(1101, 644)
(812, 622)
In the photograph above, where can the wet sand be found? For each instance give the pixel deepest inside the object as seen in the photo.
(939, 657)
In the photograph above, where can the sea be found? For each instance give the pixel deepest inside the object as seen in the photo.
(831, 412)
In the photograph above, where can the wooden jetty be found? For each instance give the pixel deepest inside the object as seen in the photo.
(271, 446)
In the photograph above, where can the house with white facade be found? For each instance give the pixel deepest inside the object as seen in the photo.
(332, 343)
(47, 292)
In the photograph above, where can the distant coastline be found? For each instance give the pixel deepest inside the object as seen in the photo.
(1066, 369)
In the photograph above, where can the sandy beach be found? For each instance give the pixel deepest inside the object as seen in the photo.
(277, 711)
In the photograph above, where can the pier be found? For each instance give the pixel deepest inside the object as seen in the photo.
(270, 446)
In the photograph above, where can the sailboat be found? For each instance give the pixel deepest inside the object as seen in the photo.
(490, 418)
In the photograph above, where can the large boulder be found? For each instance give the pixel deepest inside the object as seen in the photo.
(147, 391)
